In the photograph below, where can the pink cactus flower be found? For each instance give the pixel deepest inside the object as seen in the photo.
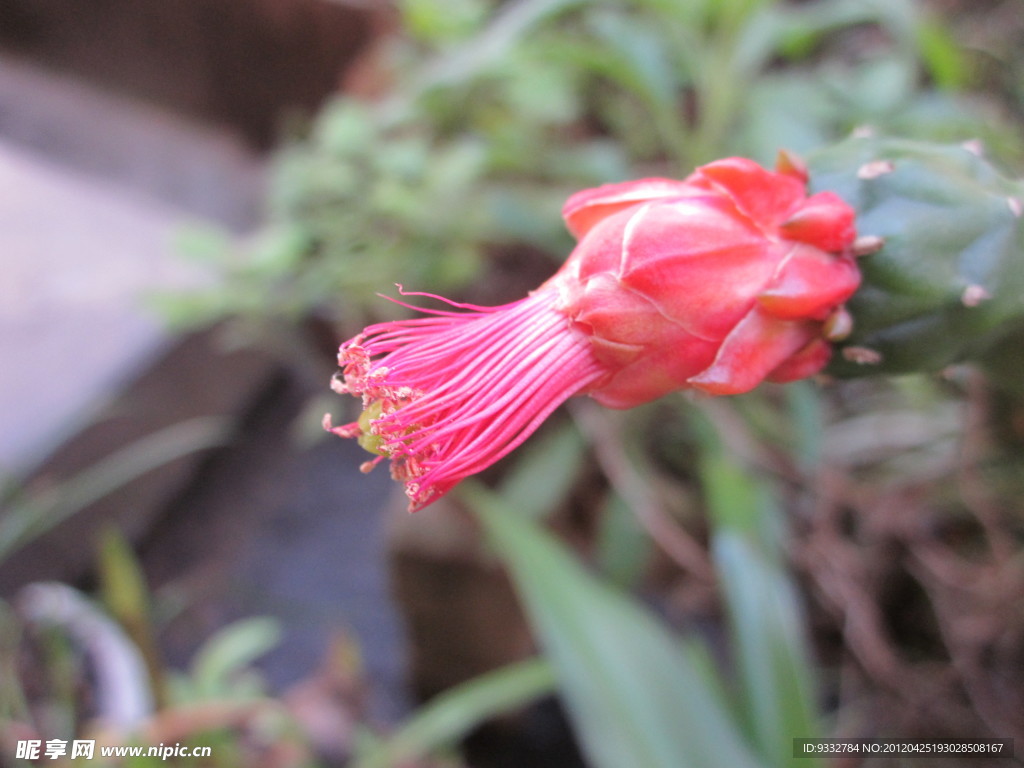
(716, 283)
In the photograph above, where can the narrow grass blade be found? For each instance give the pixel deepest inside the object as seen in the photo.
(454, 714)
(634, 696)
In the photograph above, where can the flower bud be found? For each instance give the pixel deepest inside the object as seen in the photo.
(715, 283)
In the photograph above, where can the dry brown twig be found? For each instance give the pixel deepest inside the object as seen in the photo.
(973, 490)
(605, 435)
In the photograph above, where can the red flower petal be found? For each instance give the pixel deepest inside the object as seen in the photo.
(757, 345)
(585, 208)
(806, 362)
(765, 196)
(809, 284)
(824, 221)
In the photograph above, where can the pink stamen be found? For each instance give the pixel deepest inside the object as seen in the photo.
(459, 390)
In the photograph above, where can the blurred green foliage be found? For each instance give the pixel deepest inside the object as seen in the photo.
(72, 667)
(496, 113)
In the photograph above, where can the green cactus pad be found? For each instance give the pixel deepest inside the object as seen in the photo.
(947, 286)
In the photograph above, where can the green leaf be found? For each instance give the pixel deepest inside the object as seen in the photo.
(225, 658)
(805, 412)
(773, 664)
(776, 686)
(794, 111)
(344, 128)
(622, 547)
(122, 582)
(942, 57)
(455, 713)
(506, 29)
(33, 516)
(126, 597)
(442, 21)
(546, 472)
(634, 695)
(202, 243)
(14, 706)
(639, 57)
(732, 499)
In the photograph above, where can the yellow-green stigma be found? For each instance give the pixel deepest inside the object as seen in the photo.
(367, 440)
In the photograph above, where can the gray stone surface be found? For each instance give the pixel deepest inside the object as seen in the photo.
(146, 152)
(93, 191)
(78, 257)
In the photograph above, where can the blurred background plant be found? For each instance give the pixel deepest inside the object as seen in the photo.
(822, 561)
(478, 123)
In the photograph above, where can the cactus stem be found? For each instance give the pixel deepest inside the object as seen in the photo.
(975, 146)
(862, 355)
(948, 285)
(875, 168)
(865, 245)
(973, 295)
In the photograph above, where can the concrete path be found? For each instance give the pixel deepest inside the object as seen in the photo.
(77, 259)
(93, 190)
